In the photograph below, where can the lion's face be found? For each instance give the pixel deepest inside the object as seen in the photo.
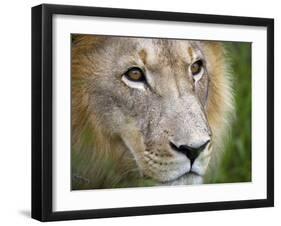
(153, 95)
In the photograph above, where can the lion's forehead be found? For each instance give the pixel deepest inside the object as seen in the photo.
(156, 50)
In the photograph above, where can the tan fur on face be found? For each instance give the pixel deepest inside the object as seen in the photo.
(126, 147)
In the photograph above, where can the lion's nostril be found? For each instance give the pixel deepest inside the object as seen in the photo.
(191, 152)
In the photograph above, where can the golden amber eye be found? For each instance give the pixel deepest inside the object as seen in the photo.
(196, 67)
(135, 74)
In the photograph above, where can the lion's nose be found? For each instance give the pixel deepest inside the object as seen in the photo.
(192, 152)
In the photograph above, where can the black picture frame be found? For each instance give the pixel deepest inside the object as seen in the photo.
(42, 107)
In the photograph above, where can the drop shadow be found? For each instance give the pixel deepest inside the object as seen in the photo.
(25, 213)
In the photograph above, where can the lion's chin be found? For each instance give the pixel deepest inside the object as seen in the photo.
(186, 179)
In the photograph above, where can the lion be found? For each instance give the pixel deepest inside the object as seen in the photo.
(147, 111)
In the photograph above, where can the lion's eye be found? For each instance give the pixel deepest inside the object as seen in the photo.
(134, 78)
(135, 74)
(197, 69)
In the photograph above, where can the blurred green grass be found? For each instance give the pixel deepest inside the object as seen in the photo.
(236, 164)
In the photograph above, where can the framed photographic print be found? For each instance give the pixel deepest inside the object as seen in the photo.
(146, 112)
